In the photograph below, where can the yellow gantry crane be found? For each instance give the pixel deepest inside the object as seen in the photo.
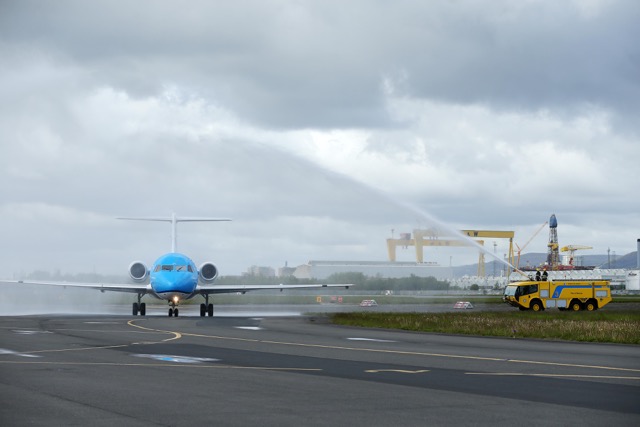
(431, 237)
(572, 251)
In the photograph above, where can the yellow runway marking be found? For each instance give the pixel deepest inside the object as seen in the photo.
(177, 335)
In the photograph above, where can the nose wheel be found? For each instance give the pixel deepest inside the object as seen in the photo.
(173, 310)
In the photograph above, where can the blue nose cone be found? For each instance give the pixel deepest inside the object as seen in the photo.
(173, 282)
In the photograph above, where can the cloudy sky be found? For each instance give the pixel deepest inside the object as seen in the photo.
(317, 126)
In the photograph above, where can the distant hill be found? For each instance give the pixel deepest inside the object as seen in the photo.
(533, 259)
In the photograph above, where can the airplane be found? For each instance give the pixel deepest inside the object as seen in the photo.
(174, 277)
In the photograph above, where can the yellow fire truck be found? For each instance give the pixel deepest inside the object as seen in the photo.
(572, 295)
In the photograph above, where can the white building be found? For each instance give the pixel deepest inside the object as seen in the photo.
(324, 269)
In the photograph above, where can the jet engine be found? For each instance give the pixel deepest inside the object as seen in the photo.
(138, 271)
(208, 272)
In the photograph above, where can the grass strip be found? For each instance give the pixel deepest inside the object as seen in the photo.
(621, 327)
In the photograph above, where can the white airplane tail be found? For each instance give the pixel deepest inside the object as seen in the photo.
(174, 220)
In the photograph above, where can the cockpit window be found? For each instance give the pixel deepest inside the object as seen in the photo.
(167, 267)
(157, 268)
(190, 269)
(181, 268)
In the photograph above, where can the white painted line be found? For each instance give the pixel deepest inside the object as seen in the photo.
(176, 359)
(101, 323)
(29, 331)
(249, 328)
(5, 351)
(369, 339)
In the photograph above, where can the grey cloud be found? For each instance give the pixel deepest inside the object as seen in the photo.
(308, 64)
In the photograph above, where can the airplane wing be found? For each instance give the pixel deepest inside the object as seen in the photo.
(122, 287)
(227, 289)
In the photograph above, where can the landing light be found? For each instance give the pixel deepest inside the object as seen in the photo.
(175, 299)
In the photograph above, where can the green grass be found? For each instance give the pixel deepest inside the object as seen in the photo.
(600, 326)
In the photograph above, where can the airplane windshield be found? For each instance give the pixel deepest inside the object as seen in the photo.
(172, 267)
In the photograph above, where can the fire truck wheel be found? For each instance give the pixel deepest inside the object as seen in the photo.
(536, 306)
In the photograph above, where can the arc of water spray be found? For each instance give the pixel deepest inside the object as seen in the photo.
(404, 204)
(456, 233)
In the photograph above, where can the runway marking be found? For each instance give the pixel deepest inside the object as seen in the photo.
(101, 323)
(399, 352)
(401, 371)
(177, 335)
(56, 350)
(249, 328)
(369, 339)
(15, 353)
(172, 365)
(518, 374)
(533, 362)
(29, 331)
(176, 359)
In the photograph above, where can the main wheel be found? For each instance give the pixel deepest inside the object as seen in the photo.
(170, 312)
(143, 309)
(575, 306)
(536, 306)
(175, 312)
(203, 310)
(134, 311)
(210, 310)
(591, 306)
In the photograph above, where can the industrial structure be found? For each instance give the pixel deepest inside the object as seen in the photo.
(321, 270)
(553, 256)
(553, 253)
(432, 237)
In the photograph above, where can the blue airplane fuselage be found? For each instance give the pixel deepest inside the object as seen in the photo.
(173, 275)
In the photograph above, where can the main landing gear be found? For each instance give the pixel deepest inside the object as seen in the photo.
(139, 307)
(206, 308)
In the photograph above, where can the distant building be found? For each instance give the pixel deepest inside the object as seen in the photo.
(324, 269)
(255, 270)
(286, 271)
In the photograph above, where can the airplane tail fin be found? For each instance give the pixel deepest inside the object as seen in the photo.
(174, 220)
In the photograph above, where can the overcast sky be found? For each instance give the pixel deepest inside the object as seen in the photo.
(317, 126)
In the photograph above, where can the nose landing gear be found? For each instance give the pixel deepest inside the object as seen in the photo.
(173, 310)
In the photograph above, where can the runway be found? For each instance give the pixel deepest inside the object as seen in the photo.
(300, 370)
